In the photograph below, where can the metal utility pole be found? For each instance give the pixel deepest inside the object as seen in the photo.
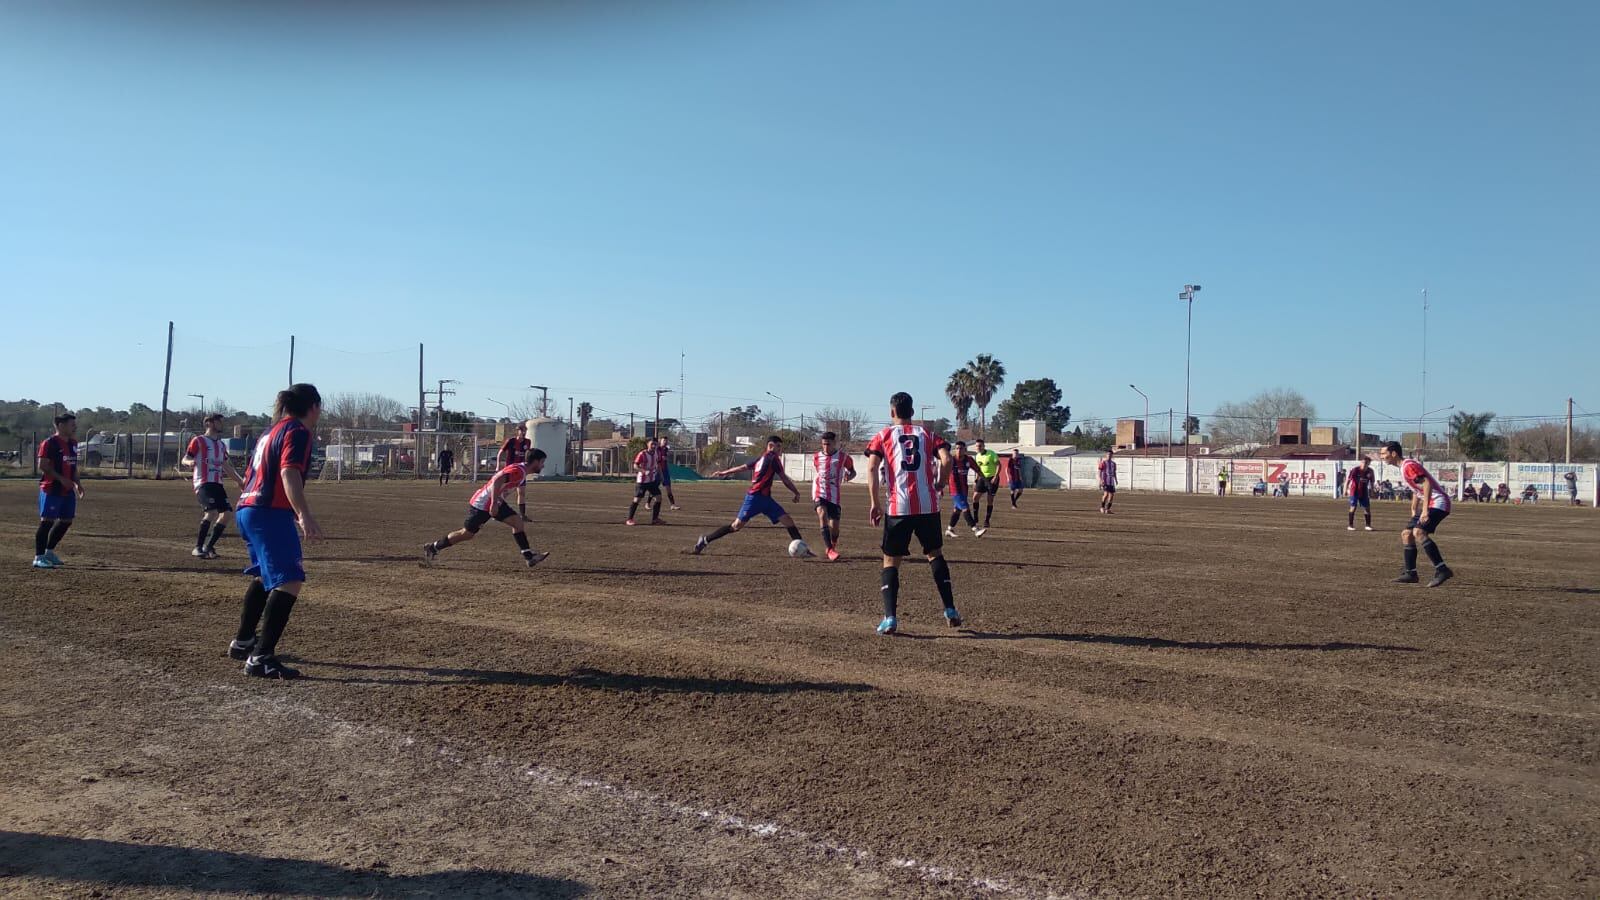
(1569, 430)
(783, 410)
(659, 392)
(422, 413)
(161, 429)
(544, 399)
(1359, 407)
(438, 421)
(1169, 432)
(291, 360)
(1424, 361)
(1187, 296)
(202, 399)
(1144, 430)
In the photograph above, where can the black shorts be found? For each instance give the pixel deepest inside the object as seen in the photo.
(1429, 521)
(477, 518)
(898, 530)
(653, 488)
(986, 485)
(213, 497)
(1108, 488)
(830, 509)
(446, 466)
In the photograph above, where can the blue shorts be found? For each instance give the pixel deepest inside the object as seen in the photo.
(666, 476)
(1365, 502)
(274, 544)
(57, 506)
(760, 505)
(960, 502)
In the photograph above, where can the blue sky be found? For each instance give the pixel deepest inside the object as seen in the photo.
(830, 201)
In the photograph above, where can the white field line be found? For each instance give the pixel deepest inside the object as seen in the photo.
(576, 786)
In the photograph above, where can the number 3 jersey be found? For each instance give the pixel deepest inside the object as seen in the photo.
(909, 454)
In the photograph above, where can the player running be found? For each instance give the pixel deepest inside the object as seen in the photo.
(833, 468)
(988, 479)
(907, 451)
(273, 514)
(1429, 506)
(664, 466)
(515, 449)
(1108, 482)
(1358, 484)
(488, 502)
(764, 469)
(955, 481)
(647, 482)
(1013, 473)
(59, 490)
(208, 455)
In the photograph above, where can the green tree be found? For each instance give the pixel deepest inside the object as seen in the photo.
(1036, 398)
(959, 390)
(1191, 426)
(988, 376)
(1470, 433)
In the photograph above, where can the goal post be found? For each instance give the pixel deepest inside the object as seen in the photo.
(365, 453)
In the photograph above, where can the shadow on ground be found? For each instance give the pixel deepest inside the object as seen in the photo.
(595, 679)
(119, 864)
(1126, 640)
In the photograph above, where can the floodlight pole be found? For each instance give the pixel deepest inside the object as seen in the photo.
(202, 399)
(1144, 432)
(1187, 296)
(783, 410)
(544, 399)
(659, 392)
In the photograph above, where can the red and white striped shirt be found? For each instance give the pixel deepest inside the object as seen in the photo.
(648, 463)
(830, 471)
(1420, 479)
(909, 452)
(208, 454)
(515, 474)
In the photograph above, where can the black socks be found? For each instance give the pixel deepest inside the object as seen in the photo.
(522, 540)
(522, 510)
(216, 534)
(255, 600)
(891, 591)
(941, 580)
(441, 543)
(57, 533)
(200, 539)
(721, 532)
(1432, 549)
(954, 518)
(633, 508)
(279, 605)
(1411, 557)
(41, 538)
(794, 534)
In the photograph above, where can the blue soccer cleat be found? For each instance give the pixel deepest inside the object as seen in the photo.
(888, 625)
(952, 617)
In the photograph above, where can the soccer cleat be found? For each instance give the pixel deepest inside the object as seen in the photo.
(980, 532)
(535, 558)
(658, 521)
(54, 560)
(1369, 527)
(43, 562)
(240, 649)
(833, 555)
(700, 545)
(949, 532)
(1406, 578)
(630, 522)
(211, 553)
(198, 553)
(1441, 575)
(1349, 528)
(429, 552)
(952, 617)
(675, 507)
(269, 667)
(888, 625)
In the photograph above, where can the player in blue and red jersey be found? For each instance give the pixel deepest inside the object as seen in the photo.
(1359, 486)
(515, 449)
(1430, 504)
(764, 470)
(488, 502)
(59, 490)
(273, 513)
(955, 483)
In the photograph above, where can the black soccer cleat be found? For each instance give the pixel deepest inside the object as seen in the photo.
(1406, 578)
(269, 667)
(240, 649)
(535, 558)
(700, 545)
(429, 553)
(1441, 575)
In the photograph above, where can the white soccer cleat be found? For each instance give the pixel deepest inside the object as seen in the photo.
(980, 532)
(1350, 528)
(949, 532)
(198, 553)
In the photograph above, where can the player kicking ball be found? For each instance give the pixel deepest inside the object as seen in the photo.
(764, 470)
(488, 502)
(833, 468)
(907, 452)
(1429, 506)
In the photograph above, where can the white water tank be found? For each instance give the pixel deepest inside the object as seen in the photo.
(550, 435)
(1032, 433)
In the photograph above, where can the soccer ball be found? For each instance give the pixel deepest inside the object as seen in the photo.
(798, 548)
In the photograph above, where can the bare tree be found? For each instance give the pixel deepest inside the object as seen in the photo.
(1547, 442)
(1255, 421)
(361, 409)
(850, 424)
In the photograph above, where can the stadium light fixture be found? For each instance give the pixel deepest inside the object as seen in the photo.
(1187, 296)
(1146, 434)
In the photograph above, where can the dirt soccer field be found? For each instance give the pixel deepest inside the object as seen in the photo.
(1195, 696)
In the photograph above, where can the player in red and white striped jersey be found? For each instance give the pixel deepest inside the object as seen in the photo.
(833, 468)
(908, 452)
(1430, 503)
(647, 481)
(488, 502)
(209, 456)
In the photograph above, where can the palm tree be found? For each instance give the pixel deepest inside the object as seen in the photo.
(987, 374)
(959, 390)
(585, 410)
